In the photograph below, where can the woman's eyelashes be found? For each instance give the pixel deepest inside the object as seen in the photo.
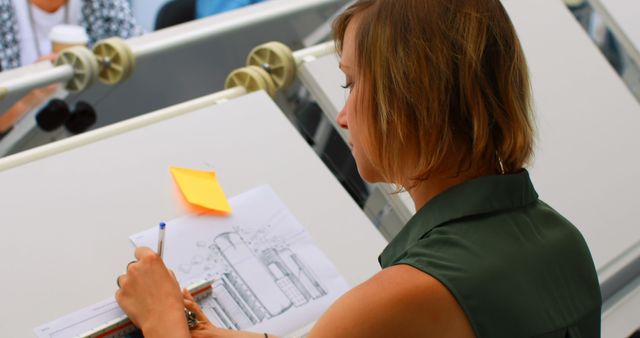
(348, 85)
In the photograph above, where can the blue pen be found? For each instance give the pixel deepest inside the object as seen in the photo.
(161, 239)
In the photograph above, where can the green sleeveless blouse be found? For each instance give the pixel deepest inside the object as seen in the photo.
(516, 267)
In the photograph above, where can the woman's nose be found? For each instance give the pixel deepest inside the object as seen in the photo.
(341, 119)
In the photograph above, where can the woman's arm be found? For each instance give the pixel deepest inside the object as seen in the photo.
(399, 301)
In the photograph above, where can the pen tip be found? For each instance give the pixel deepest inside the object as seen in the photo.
(162, 225)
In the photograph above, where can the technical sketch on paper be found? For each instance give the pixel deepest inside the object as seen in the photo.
(268, 275)
(256, 278)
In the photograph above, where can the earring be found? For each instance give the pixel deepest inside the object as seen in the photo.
(500, 164)
(502, 172)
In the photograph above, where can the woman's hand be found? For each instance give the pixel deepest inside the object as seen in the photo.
(150, 295)
(49, 57)
(205, 329)
(28, 102)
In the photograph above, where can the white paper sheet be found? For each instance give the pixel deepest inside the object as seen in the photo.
(268, 274)
(81, 321)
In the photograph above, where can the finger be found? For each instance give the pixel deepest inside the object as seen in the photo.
(195, 308)
(50, 57)
(143, 252)
(187, 295)
(119, 297)
(130, 270)
(121, 281)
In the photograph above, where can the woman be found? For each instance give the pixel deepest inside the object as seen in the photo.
(440, 105)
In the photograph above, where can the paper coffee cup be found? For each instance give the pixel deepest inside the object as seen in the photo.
(65, 36)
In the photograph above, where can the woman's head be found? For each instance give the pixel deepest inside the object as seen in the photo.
(440, 87)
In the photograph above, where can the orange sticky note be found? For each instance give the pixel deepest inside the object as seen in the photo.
(201, 188)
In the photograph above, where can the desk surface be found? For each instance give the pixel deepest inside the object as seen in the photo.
(620, 319)
(67, 217)
(587, 127)
(622, 18)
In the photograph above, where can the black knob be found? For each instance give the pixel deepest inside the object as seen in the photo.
(53, 115)
(82, 118)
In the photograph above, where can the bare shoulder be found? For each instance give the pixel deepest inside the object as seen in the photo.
(399, 301)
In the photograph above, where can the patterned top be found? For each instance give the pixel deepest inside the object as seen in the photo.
(516, 267)
(101, 19)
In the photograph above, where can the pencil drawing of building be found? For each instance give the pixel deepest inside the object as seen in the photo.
(258, 283)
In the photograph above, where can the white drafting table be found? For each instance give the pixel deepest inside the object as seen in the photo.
(587, 126)
(67, 217)
(587, 131)
(620, 317)
(623, 18)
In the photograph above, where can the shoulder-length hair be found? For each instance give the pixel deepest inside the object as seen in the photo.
(447, 87)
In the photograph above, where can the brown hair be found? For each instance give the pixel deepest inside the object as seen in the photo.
(447, 83)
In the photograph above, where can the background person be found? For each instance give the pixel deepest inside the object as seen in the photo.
(24, 36)
(176, 12)
(439, 104)
(25, 27)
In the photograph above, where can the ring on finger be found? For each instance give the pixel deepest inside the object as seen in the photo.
(192, 320)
